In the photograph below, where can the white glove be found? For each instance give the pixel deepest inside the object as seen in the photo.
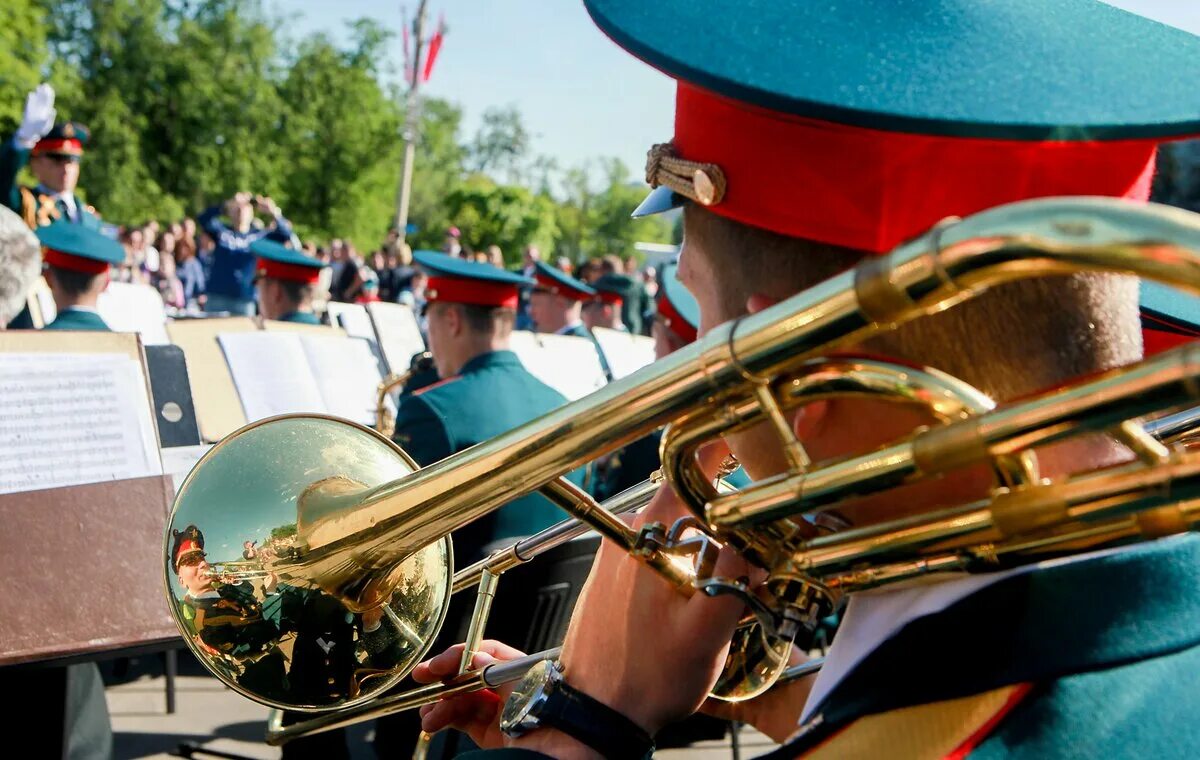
(38, 118)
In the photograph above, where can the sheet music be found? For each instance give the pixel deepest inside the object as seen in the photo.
(71, 419)
(347, 375)
(353, 318)
(568, 364)
(292, 372)
(626, 353)
(132, 307)
(399, 334)
(178, 461)
(271, 373)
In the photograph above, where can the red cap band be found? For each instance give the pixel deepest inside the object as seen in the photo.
(871, 190)
(66, 146)
(60, 260)
(475, 292)
(678, 325)
(609, 297)
(293, 272)
(559, 289)
(186, 547)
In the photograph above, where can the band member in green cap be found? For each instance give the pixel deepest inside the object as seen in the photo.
(812, 137)
(77, 260)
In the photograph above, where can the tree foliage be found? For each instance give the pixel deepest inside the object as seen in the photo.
(190, 101)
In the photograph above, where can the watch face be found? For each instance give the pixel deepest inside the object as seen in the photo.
(529, 692)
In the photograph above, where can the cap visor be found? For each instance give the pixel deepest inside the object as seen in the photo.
(659, 200)
(1171, 305)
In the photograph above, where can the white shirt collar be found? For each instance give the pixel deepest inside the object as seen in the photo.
(873, 617)
(68, 200)
(568, 328)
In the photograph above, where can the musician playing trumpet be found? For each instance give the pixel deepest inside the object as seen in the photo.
(808, 140)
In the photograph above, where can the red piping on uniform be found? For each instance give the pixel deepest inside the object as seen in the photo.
(961, 751)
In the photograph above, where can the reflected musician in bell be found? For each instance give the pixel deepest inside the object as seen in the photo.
(794, 160)
(227, 618)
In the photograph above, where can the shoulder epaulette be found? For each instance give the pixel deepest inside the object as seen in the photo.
(438, 384)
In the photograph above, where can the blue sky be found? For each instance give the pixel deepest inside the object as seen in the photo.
(581, 96)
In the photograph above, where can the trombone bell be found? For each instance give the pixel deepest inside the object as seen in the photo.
(277, 624)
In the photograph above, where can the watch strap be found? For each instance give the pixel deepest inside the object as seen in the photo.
(595, 724)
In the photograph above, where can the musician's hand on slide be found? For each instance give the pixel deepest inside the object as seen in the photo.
(637, 644)
(476, 714)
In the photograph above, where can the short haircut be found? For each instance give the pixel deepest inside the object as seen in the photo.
(297, 292)
(486, 320)
(73, 283)
(611, 264)
(1015, 339)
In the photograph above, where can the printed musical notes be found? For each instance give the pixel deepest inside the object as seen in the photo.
(69, 419)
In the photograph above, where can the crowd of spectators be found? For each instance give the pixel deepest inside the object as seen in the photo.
(192, 262)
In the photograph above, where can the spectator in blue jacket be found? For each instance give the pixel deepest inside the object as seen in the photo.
(231, 281)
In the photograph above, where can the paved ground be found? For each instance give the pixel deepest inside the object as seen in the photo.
(213, 717)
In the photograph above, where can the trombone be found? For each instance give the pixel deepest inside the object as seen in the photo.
(371, 529)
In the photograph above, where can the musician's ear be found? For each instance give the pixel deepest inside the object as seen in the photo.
(759, 301)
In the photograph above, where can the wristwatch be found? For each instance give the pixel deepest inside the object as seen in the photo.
(544, 698)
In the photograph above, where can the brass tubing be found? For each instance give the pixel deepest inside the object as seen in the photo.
(1089, 499)
(479, 617)
(488, 677)
(526, 549)
(996, 246)
(1168, 379)
(578, 503)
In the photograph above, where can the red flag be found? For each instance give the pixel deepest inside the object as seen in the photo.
(408, 67)
(435, 45)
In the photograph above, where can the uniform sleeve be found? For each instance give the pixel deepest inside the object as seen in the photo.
(421, 432)
(207, 221)
(283, 226)
(12, 159)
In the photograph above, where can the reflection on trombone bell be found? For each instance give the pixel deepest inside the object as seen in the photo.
(356, 541)
(284, 641)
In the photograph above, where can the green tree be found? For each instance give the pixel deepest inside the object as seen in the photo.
(509, 216)
(24, 54)
(501, 145)
(340, 129)
(437, 173)
(598, 222)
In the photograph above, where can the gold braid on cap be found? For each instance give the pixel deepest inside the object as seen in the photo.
(702, 183)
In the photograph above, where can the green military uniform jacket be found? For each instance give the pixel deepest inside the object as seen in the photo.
(493, 394)
(35, 207)
(78, 319)
(1102, 657)
(301, 318)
